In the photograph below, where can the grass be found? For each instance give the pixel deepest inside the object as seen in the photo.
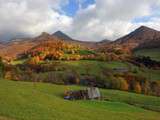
(28, 101)
(153, 53)
(95, 67)
(15, 62)
(86, 52)
(147, 102)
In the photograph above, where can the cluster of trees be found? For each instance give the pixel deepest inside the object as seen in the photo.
(58, 50)
(1, 67)
(146, 61)
(55, 73)
(32, 71)
(51, 73)
(127, 82)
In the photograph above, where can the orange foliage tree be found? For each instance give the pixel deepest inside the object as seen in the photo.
(137, 87)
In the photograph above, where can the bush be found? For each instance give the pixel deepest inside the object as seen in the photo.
(155, 88)
(123, 84)
(1, 68)
(137, 87)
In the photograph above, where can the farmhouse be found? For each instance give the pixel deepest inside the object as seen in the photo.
(89, 93)
(120, 69)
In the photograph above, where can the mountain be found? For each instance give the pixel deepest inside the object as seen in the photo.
(14, 48)
(104, 41)
(11, 49)
(61, 35)
(139, 37)
(143, 37)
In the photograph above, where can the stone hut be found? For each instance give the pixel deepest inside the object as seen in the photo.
(89, 93)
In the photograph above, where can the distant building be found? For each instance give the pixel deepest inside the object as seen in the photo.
(120, 69)
(90, 93)
(93, 93)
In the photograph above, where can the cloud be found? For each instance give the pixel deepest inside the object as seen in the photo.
(30, 17)
(110, 18)
(100, 20)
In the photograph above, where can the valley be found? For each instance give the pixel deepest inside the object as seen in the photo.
(36, 72)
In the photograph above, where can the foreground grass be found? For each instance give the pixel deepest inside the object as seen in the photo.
(28, 101)
(153, 53)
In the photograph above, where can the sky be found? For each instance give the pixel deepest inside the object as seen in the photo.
(87, 20)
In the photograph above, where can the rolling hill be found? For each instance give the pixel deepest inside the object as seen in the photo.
(28, 101)
(153, 53)
(142, 37)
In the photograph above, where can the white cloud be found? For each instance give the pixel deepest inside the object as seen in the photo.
(30, 17)
(110, 18)
(104, 19)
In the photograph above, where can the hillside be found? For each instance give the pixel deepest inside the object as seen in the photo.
(20, 100)
(153, 53)
(61, 35)
(12, 49)
(142, 36)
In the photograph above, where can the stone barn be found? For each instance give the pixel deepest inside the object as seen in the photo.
(89, 93)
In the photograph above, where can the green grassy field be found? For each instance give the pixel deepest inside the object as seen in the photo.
(153, 53)
(28, 101)
(95, 67)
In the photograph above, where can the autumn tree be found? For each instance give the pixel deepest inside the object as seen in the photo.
(137, 87)
(1, 67)
(155, 88)
(34, 60)
(123, 84)
(145, 85)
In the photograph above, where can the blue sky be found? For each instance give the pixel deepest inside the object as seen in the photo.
(73, 6)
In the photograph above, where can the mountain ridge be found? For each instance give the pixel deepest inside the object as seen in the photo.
(61, 35)
(138, 37)
(142, 37)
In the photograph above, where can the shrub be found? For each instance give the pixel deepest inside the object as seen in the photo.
(155, 88)
(123, 84)
(145, 85)
(137, 87)
(1, 68)
(34, 60)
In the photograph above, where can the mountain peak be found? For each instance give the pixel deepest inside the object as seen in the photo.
(145, 29)
(58, 32)
(44, 34)
(61, 35)
(140, 36)
(105, 41)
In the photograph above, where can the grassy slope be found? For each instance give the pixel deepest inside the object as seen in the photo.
(153, 53)
(95, 67)
(26, 101)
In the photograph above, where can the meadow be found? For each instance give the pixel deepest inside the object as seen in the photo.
(41, 101)
(95, 67)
